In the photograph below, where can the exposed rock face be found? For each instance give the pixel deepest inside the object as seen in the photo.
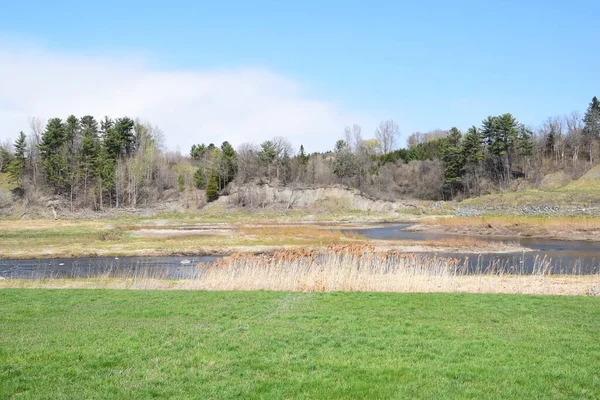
(333, 197)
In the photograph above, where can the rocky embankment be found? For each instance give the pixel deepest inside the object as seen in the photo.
(550, 210)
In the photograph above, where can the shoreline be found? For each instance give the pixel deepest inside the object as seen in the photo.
(503, 233)
(223, 251)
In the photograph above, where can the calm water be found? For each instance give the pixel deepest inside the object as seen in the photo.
(163, 267)
(562, 257)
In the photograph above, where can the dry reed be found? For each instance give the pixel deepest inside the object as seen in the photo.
(353, 267)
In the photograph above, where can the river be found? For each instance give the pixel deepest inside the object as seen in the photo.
(554, 256)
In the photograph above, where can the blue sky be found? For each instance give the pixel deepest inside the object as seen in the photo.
(427, 65)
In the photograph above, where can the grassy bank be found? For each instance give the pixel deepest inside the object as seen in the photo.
(78, 238)
(141, 344)
(45, 238)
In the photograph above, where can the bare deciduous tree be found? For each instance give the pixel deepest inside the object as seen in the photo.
(387, 134)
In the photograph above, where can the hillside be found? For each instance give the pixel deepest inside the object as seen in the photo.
(583, 192)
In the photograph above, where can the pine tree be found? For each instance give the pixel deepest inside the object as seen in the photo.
(6, 158)
(500, 136)
(124, 126)
(302, 155)
(17, 164)
(525, 141)
(229, 158)
(267, 155)
(89, 157)
(212, 188)
(199, 179)
(472, 147)
(53, 151)
(119, 138)
(550, 141)
(89, 126)
(72, 131)
(344, 163)
(591, 126)
(453, 158)
(105, 172)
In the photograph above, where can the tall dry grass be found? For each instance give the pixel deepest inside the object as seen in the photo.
(353, 267)
(361, 268)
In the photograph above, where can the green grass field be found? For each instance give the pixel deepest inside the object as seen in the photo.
(176, 344)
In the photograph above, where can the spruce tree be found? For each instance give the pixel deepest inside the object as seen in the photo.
(53, 151)
(472, 147)
(89, 157)
(500, 136)
(199, 179)
(591, 126)
(550, 141)
(212, 188)
(229, 158)
(525, 141)
(17, 164)
(452, 155)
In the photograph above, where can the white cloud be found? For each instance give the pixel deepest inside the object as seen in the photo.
(239, 105)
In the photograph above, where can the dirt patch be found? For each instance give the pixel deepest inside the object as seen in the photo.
(174, 233)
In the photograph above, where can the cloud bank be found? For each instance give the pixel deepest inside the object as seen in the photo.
(239, 105)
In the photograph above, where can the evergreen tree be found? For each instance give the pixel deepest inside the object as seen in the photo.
(89, 156)
(119, 137)
(73, 141)
(212, 188)
(199, 179)
(181, 183)
(453, 158)
(525, 141)
(500, 136)
(550, 141)
(229, 159)
(302, 155)
(89, 126)
(53, 153)
(344, 163)
(72, 131)
(472, 147)
(124, 127)
(6, 158)
(267, 155)
(16, 166)
(591, 127)
(105, 172)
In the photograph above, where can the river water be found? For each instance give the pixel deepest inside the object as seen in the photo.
(86, 267)
(554, 256)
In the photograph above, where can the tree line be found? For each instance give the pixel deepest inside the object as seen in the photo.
(121, 162)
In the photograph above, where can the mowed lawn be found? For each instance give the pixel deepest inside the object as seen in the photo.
(177, 344)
